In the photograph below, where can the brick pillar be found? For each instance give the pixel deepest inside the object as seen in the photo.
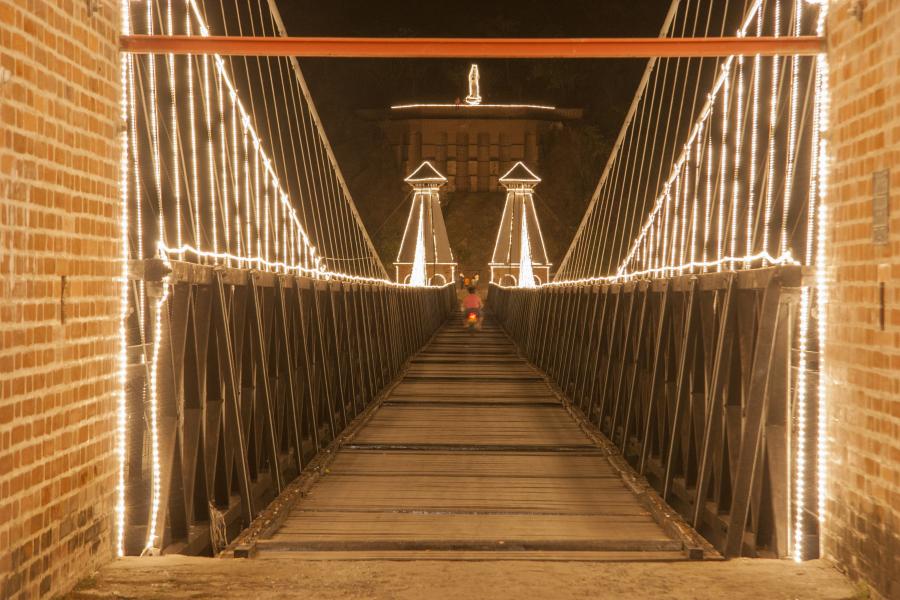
(59, 232)
(862, 531)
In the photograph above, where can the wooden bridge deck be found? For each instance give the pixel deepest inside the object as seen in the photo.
(471, 456)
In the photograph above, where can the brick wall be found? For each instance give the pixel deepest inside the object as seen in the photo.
(863, 361)
(58, 290)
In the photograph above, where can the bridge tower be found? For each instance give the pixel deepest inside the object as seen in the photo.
(520, 258)
(425, 256)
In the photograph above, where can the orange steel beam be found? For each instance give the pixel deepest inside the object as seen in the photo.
(359, 47)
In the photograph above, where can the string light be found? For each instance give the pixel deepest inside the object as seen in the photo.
(155, 472)
(671, 271)
(173, 110)
(236, 176)
(526, 274)
(138, 209)
(723, 175)
(792, 130)
(192, 116)
(773, 123)
(471, 106)
(694, 205)
(257, 195)
(824, 100)
(754, 141)
(125, 62)
(738, 142)
(211, 161)
(709, 196)
(800, 459)
(417, 277)
(154, 126)
(247, 199)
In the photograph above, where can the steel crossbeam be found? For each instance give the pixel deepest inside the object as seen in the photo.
(367, 47)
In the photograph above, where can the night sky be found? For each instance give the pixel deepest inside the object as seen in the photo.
(602, 87)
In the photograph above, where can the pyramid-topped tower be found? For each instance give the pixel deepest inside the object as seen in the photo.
(425, 257)
(520, 258)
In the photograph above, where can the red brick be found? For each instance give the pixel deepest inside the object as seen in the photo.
(58, 170)
(862, 362)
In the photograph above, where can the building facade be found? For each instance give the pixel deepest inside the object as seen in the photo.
(470, 141)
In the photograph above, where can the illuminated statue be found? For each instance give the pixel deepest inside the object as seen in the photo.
(474, 96)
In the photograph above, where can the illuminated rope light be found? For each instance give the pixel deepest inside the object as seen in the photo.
(471, 106)
(247, 198)
(526, 273)
(266, 218)
(285, 267)
(156, 477)
(707, 213)
(284, 228)
(665, 237)
(276, 221)
(417, 277)
(738, 142)
(257, 196)
(236, 177)
(223, 161)
(792, 130)
(138, 209)
(676, 204)
(723, 175)
(192, 116)
(125, 66)
(754, 140)
(686, 186)
(773, 123)
(154, 126)
(695, 203)
(670, 271)
(800, 459)
(173, 110)
(824, 101)
(211, 161)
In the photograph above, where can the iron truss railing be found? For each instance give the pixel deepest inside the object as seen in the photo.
(695, 379)
(688, 315)
(256, 372)
(257, 318)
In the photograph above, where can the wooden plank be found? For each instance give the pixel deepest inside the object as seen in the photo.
(470, 457)
(493, 554)
(388, 530)
(512, 464)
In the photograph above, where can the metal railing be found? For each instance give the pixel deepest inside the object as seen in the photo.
(695, 380)
(257, 373)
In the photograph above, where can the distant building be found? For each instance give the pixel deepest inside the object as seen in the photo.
(520, 258)
(425, 257)
(472, 142)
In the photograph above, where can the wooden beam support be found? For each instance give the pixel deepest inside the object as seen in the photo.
(366, 47)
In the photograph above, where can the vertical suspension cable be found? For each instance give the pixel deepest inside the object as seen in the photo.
(754, 142)
(773, 123)
(723, 166)
(792, 132)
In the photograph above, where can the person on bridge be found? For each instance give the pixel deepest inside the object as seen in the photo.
(472, 303)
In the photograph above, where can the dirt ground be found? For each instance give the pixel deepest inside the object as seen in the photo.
(188, 577)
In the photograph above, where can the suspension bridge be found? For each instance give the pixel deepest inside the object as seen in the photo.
(659, 398)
